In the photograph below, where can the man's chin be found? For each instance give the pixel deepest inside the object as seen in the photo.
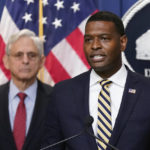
(99, 68)
(25, 78)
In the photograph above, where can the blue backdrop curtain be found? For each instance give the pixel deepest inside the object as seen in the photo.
(119, 7)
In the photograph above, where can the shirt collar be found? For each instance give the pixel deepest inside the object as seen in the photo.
(118, 78)
(30, 91)
(13, 90)
(94, 78)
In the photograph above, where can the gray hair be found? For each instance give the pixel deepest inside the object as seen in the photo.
(25, 33)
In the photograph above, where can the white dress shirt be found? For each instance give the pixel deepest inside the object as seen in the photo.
(116, 93)
(29, 102)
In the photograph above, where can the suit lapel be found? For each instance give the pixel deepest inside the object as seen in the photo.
(130, 97)
(85, 86)
(38, 114)
(4, 116)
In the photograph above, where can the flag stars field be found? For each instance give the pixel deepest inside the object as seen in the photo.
(57, 23)
(75, 7)
(29, 1)
(45, 2)
(27, 17)
(44, 20)
(59, 4)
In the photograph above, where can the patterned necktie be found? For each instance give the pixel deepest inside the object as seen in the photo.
(20, 123)
(104, 127)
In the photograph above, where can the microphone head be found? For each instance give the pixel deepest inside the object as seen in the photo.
(88, 121)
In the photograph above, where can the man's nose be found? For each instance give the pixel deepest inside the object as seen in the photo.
(25, 58)
(96, 44)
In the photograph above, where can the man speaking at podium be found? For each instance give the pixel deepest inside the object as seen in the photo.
(117, 99)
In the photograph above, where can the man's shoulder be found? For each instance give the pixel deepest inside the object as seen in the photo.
(44, 87)
(138, 78)
(4, 86)
(75, 81)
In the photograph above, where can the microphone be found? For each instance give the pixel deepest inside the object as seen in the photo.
(90, 120)
(87, 123)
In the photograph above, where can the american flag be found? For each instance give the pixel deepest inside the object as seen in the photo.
(60, 23)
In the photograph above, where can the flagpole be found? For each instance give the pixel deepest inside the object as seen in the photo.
(41, 72)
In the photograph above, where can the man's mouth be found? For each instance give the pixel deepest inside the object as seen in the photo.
(96, 58)
(25, 70)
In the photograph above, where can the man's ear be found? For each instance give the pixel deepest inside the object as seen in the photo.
(123, 42)
(5, 61)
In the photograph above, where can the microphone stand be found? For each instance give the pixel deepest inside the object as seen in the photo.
(88, 123)
(109, 145)
(62, 141)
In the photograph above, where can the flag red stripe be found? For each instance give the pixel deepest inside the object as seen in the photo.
(95, 12)
(55, 69)
(2, 52)
(75, 39)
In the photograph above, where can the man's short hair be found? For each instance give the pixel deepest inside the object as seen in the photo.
(108, 16)
(25, 33)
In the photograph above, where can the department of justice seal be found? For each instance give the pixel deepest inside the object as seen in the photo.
(137, 26)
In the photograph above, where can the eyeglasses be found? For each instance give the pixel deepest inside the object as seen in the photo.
(30, 55)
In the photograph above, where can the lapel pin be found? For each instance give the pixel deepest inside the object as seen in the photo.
(133, 91)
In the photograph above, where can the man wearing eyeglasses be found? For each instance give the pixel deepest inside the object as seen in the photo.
(24, 99)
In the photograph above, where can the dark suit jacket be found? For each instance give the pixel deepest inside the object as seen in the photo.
(70, 106)
(35, 133)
